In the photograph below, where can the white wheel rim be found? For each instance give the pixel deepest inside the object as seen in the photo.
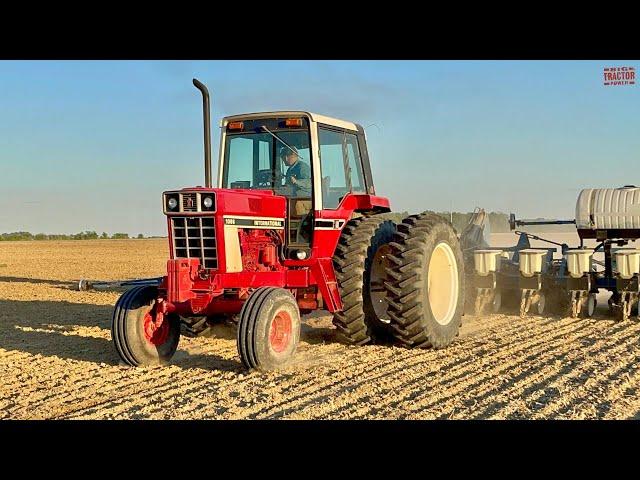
(442, 283)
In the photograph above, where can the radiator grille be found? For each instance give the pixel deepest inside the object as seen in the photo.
(195, 237)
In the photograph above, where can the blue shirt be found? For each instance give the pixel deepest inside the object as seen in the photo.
(302, 173)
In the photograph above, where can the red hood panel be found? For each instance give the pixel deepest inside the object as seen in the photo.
(258, 203)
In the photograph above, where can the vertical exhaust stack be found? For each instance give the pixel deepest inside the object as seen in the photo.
(207, 131)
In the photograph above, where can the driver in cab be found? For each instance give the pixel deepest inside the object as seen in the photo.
(297, 180)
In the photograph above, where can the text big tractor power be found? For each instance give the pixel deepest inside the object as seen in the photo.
(294, 225)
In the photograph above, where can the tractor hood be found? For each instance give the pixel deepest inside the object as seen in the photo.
(224, 201)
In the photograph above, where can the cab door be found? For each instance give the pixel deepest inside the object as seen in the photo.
(299, 221)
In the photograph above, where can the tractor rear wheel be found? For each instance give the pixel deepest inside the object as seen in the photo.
(268, 329)
(138, 340)
(360, 264)
(426, 286)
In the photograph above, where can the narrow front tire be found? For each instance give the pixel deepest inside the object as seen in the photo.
(136, 336)
(268, 329)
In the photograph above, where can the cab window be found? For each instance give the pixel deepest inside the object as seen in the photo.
(340, 164)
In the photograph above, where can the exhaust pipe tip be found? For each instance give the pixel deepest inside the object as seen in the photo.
(200, 86)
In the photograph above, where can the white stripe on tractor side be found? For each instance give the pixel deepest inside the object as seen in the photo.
(236, 221)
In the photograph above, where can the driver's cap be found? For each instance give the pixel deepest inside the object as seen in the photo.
(284, 151)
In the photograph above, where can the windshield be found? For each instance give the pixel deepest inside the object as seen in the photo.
(257, 160)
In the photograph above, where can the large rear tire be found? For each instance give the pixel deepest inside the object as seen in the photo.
(426, 286)
(360, 264)
(137, 340)
(268, 329)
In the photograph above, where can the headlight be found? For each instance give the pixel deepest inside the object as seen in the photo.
(301, 254)
(172, 203)
(207, 202)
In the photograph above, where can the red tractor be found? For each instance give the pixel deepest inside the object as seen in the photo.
(294, 225)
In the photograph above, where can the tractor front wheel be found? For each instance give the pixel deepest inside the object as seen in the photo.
(138, 337)
(268, 329)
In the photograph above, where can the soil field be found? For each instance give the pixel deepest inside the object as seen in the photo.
(57, 359)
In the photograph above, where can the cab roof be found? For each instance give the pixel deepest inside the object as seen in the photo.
(335, 122)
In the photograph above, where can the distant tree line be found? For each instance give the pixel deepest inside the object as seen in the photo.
(86, 235)
(498, 222)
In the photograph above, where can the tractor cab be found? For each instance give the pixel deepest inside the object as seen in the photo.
(312, 160)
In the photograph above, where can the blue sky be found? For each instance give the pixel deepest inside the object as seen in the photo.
(92, 145)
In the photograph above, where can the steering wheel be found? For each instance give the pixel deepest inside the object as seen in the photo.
(264, 178)
(269, 178)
